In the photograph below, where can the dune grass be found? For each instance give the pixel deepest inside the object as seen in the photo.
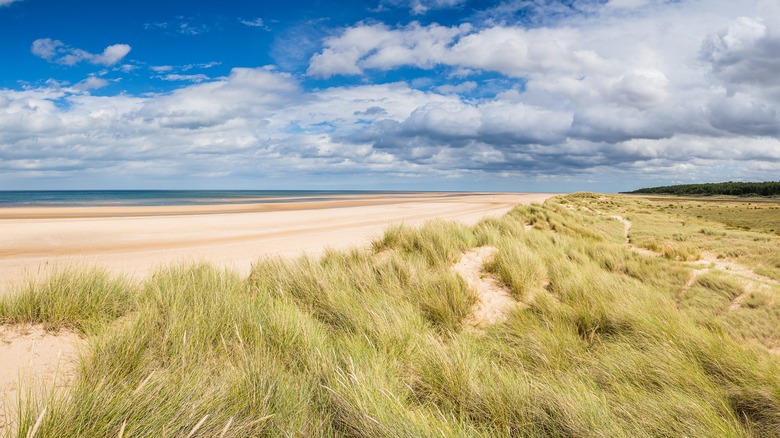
(371, 342)
(79, 299)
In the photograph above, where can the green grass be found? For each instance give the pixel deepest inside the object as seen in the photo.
(761, 215)
(81, 300)
(676, 227)
(372, 342)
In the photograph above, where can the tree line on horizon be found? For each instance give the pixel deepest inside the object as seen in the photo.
(730, 188)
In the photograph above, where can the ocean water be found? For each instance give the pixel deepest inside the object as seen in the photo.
(96, 198)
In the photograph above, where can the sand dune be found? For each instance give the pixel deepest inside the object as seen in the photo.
(136, 240)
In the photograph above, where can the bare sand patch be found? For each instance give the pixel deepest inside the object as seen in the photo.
(734, 268)
(494, 300)
(33, 358)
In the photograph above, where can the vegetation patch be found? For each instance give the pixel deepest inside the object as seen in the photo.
(770, 188)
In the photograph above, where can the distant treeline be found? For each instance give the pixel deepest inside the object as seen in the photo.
(730, 188)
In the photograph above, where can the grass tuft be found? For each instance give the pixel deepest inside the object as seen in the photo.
(76, 299)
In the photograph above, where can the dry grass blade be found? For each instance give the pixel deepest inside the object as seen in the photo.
(38, 422)
(198, 426)
(225, 429)
(144, 382)
(261, 420)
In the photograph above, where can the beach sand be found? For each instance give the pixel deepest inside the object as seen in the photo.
(137, 240)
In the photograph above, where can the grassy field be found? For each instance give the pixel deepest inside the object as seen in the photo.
(756, 214)
(613, 342)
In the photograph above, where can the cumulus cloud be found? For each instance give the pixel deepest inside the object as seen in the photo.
(744, 114)
(46, 48)
(56, 51)
(515, 51)
(380, 47)
(641, 89)
(649, 85)
(746, 52)
(260, 122)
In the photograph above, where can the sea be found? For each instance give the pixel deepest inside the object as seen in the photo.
(98, 198)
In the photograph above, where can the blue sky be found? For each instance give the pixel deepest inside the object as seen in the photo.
(510, 95)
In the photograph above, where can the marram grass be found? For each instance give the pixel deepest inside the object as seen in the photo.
(372, 342)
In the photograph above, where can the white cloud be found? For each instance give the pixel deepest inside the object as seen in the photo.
(514, 52)
(641, 89)
(7, 2)
(91, 83)
(183, 68)
(257, 22)
(204, 65)
(127, 68)
(463, 87)
(377, 46)
(46, 48)
(627, 4)
(744, 53)
(188, 78)
(649, 82)
(56, 51)
(111, 55)
(420, 7)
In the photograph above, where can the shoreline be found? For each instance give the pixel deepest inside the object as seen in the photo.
(136, 241)
(249, 205)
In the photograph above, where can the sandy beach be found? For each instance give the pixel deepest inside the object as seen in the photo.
(136, 240)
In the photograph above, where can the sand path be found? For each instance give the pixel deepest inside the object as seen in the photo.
(626, 227)
(626, 234)
(137, 240)
(749, 279)
(494, 301)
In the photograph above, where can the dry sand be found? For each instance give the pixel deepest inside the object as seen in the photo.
(494, 300)
(33, 359)
(137, 240)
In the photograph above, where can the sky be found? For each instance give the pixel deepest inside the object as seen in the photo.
(488, 95)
